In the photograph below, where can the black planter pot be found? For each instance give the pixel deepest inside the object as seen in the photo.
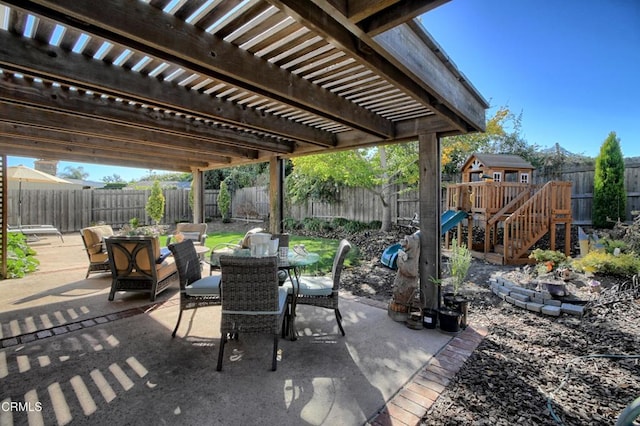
(449, 320)
(430, 318)
(461, 304)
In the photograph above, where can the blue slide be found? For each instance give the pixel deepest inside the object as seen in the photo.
(451, 218)
(448, 220)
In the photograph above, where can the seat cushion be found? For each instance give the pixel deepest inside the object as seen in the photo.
(282, 298)
(193, 236)
(205, 286)
(316, 286)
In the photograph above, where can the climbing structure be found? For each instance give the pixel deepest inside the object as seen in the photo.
(511, 213)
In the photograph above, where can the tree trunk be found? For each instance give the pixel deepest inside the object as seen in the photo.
(384, 195)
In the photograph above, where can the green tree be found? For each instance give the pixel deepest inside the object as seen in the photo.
(71, 172)
(114, 178)
(224, 202)
(609, 195)
(155, 203)
(321, 177)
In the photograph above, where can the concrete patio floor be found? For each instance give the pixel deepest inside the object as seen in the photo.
(69, 356)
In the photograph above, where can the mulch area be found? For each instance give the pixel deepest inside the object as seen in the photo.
(530, 369)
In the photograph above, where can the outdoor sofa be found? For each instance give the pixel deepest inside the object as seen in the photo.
(138, 264)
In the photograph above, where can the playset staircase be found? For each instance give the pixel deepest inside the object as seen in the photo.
(514, 216)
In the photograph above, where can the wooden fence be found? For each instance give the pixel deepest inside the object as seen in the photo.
(71, 210)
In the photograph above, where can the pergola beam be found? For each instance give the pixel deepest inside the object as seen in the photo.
(70, 141)
(30, 57)
(26, 91)
(323, 18)
(33, 116)
(158, 34)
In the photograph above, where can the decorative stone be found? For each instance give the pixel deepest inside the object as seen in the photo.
(551, 310)
(570, 308)
(552, 302)
(519, 297)
(535, 307)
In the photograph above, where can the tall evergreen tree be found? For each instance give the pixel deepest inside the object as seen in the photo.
(609, 195)
(155, 203)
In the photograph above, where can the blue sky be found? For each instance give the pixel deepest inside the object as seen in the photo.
(572, 67)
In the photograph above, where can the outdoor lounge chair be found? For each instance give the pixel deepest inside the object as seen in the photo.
(315, 291)
(137, 265)
(93, 239)
(195, 291)
(36, 231)
(252, 301)
(196, 232)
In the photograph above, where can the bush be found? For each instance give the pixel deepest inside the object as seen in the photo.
(291, 224)
(600, 262)
(224, 202)
(313, 224)
(543, 256)
(20, 257)
(155, 203)
(611, 245)
(609, 195)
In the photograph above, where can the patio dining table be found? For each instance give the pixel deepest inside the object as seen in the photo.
(292, 265)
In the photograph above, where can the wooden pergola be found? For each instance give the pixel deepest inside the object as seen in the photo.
(192, 85)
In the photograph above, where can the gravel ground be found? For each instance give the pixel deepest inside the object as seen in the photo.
(530, 369)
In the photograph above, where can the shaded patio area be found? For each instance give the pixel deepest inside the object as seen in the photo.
(71, 356)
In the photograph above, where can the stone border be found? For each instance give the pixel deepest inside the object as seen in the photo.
(531, 300)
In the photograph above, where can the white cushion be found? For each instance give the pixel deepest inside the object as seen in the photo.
(205, 286)
(316, 286)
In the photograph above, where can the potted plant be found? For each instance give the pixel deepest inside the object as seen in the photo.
(455, 303)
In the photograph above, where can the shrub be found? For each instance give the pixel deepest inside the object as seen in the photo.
(224, 202)
(20, 257)
(155, 203)
(544, 256)
(459, 264)
(315, 224)
(611, 245)
(600, 262)
(609, 196)
(290, 223)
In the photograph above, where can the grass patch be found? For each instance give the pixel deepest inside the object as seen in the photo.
(325, 247)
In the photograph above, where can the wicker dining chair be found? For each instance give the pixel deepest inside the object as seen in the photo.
(316, 291)
(252, 301)
(195, 291)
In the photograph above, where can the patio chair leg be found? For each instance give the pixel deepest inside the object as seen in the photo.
(177, 324)
(339, 319)
(274, 362)
(223, 340)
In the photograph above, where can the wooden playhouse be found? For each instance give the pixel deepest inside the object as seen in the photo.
(507, 213)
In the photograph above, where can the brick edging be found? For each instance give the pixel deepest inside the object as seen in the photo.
(410, 404)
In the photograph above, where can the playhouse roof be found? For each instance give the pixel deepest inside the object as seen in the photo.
(502, 161)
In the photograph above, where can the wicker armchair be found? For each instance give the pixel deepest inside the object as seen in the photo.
(228, 249)
(318, 292)
(252, 301)
(196, 232)
(195, 291)
(137, 265)
(93, 239)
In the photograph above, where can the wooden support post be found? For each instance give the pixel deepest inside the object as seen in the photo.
(430, 226)
(276, 195)
(198, 196)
